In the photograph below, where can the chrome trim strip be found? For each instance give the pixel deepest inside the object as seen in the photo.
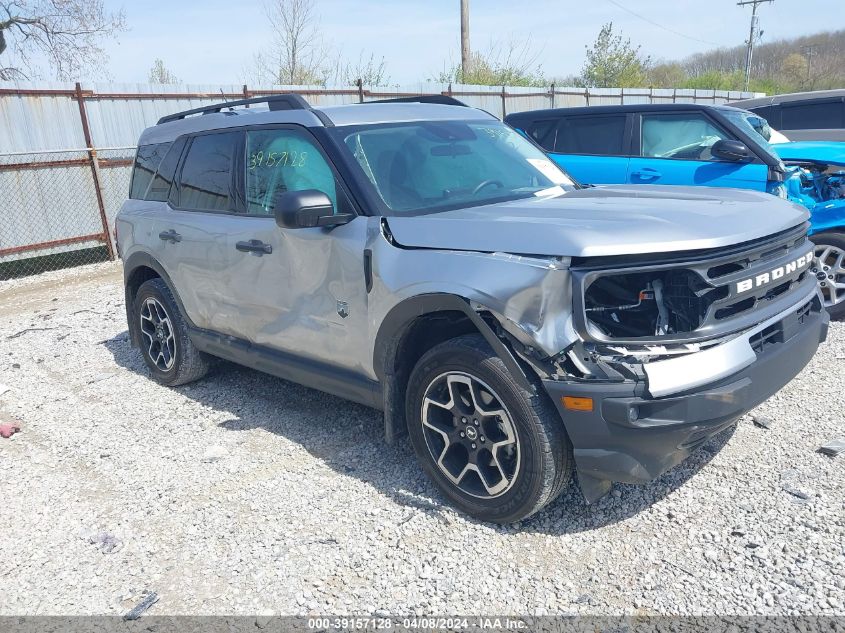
(674, 375)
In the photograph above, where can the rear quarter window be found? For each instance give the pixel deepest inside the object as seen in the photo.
(147, 160)
(159, 189)
(596, 135)
(543, 133)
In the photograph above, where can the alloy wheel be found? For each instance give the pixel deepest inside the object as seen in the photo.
(157, 332)
(830, 273)
(470, 435)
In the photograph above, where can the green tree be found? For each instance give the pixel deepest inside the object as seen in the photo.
(666, 75)
(794, 70)
(508, 63)
(613, 62)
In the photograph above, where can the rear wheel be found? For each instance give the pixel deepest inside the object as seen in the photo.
(829, 269)
(497, 452)
(165, 345)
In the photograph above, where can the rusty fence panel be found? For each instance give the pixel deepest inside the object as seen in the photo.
(50, 208)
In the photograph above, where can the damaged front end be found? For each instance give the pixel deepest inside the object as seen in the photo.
(672, 350)
(820, 187)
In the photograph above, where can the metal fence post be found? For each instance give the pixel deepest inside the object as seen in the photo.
(587, 95)
(504, 106)
(95, 173)
(552, 94)
(360, 85)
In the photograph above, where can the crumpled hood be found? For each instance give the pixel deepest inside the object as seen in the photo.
(817, 151)
(602, 221)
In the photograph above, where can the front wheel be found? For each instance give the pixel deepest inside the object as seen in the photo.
(829, 269)
(497, 452)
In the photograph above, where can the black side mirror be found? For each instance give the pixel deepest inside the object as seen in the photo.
(306, 209)
(729, 149)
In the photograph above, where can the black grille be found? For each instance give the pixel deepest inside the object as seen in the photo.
(703, 297)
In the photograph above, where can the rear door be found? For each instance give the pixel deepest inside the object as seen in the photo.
(192, 235)
(593, 148)
(673, 148)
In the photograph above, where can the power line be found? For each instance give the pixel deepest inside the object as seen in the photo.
(660, 26)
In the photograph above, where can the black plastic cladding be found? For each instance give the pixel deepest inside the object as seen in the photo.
(730, 312)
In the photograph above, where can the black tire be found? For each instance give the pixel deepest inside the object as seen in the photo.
(187, 362)
(544, 461)
(836, 241)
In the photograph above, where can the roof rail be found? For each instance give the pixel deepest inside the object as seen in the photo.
(439, 99)
(275, 102)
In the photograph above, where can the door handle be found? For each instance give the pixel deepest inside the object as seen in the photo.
(254, 246)
(646, 173)
(170, 236)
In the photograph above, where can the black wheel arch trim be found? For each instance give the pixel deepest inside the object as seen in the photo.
(390, 335)
(142, 259)
(402, 315)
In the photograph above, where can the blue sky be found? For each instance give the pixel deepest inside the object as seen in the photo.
(212, 41)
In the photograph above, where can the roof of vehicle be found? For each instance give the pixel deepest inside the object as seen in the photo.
(615, 109)
(221, 116)
(788, 98)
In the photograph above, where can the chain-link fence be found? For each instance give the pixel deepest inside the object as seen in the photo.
(58, 208)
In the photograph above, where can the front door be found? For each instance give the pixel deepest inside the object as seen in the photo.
(299, 291)
(674, 149)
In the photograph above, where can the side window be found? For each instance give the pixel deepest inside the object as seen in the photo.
(147, 160)
(598, 135)
(159, 189)
(285, 160)
(206, 180)
(813, 116)
(543, 132)
(679, 136)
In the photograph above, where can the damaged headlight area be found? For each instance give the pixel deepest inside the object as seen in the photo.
(651, 303)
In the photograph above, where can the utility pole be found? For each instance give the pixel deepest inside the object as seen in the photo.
(465, 54)
(752, 35)
(809, 51)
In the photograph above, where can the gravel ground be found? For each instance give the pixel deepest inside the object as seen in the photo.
(245, 494)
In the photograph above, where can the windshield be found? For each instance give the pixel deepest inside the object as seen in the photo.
(752, 124)
(429, 166)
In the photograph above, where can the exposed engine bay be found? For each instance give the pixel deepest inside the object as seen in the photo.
(812, 183)
(654, 303)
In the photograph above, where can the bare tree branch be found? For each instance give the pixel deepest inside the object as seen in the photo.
(160, 74)
(67, 33)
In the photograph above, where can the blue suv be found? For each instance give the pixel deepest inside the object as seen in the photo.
(702, 145)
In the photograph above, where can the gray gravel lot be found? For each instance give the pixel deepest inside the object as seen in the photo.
(245, 494)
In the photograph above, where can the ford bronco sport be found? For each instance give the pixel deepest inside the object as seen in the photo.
(427, 260)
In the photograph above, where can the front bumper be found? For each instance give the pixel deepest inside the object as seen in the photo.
(630, 436)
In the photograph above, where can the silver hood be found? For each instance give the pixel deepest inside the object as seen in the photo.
(602, 221)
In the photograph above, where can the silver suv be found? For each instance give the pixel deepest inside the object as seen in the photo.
(427, 260)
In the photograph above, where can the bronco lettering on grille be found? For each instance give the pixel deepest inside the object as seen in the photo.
(773, 275)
